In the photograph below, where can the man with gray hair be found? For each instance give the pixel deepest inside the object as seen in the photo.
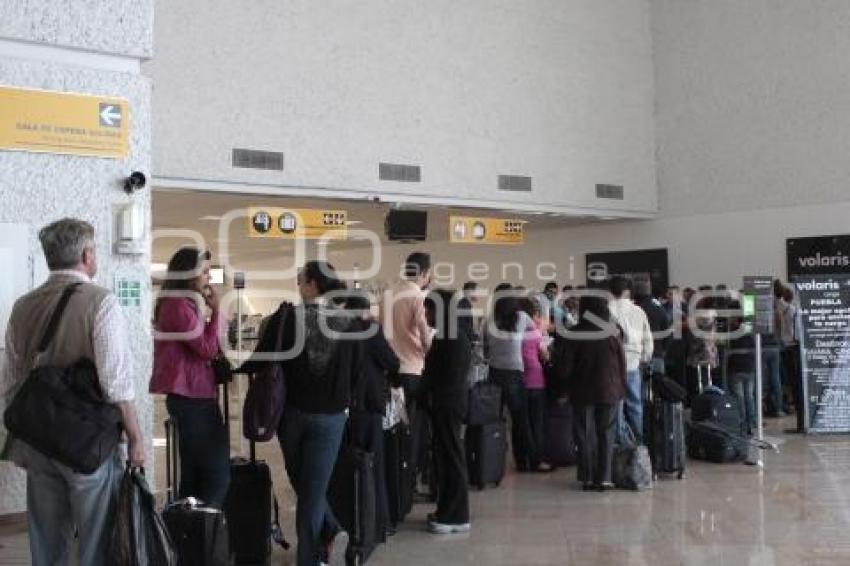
(60, 500)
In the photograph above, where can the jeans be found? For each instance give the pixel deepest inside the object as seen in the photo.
(204, 449)
(536, 423)
(596, 429)
(59, 500)
(772, 366)
(632, 411)
(450, 467)
(310, 444)
(514, 396)
(743, 386)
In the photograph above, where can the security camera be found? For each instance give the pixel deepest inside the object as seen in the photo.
(376, 198)
(134, 182)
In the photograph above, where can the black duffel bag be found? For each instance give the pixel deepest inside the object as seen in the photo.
(62, 412)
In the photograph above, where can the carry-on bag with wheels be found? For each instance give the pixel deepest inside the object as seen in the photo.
(250, 506)
(199, 533)
(352, 497)
(667, 446)
(559, 445)
(397, 451)
(486, 452)
(716, 406)
(667, 441)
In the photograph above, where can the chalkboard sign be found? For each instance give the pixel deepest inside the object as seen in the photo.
(825, 351)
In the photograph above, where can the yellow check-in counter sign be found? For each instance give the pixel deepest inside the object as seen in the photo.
(472, 230)
(292, 223)
(62, 122)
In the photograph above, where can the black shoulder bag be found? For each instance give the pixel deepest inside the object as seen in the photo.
(61, 412)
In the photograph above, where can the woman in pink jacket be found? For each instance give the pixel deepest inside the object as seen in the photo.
(185, 343)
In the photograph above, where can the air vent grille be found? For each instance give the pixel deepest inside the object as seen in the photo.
(609, 191)
(397, 172)
(514, 183)
(255, 159)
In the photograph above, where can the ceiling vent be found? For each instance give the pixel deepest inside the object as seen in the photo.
(396, 172)
(614, 192)
(514, 183)
(255, 159)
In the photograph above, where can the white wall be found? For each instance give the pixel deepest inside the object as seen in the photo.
(752, 105)
(36, 189)
(560, 90)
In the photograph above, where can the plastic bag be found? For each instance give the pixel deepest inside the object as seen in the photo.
(139, 536)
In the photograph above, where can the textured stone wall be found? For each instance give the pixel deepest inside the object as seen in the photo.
(39, 188)
(108, 26)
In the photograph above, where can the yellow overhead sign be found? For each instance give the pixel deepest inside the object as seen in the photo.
(272, 222)
(470, 230)
(63, 122)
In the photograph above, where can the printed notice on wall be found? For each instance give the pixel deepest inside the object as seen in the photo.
(825, 351)
(63, 122)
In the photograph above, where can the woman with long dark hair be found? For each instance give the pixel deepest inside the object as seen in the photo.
(320, 365)
(503, 336)
(590, 364)
(185, 343)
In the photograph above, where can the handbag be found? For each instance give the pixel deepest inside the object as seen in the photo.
(632, 466)
(266, 395)
(139, 534)
(62, 412)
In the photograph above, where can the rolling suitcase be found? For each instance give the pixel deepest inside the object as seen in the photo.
(352, 497)
(199, 533)
(667, 439)
(397, 446)
(559, 436)
(486, 452)
(716, 406)
(667, 446)
(249, 505)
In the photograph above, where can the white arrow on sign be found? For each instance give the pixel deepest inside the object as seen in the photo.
(109, 114)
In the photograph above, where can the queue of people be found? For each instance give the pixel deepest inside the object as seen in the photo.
(541, 349)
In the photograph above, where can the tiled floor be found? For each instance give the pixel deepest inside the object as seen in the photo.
(795, 512)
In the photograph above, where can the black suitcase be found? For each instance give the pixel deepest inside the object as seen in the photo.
(714, 405)
(248, 506)
(486, 452)
(352, 497)
(397, 447)
(667, 440)
(559, 436)
(200, 534)
(485, 403)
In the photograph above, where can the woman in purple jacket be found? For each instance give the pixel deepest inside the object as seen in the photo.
(185, 343)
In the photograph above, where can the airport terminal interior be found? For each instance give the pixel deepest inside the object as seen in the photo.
(691, 152)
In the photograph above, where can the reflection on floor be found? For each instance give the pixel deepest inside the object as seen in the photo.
(795, 512)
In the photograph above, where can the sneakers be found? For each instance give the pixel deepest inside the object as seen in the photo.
(336, 549)
(446, 529)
